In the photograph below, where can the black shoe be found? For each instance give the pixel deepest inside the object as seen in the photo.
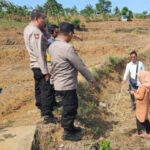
(70, 136)
(76, 130)
(50, 119)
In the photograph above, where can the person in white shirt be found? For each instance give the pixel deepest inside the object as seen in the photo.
(132, 69)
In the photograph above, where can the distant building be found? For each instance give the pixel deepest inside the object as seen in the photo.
(124, 18)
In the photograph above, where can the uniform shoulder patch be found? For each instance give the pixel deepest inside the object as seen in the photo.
(36, 36)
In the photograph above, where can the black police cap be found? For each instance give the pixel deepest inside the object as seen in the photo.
(66, 27)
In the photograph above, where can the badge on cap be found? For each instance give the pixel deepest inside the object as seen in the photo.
(36, 36)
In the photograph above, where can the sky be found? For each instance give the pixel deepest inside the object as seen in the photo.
(137, 6)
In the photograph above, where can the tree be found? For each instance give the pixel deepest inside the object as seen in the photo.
(74, 11)
(67, 11)
(40, 8)
(117, 11)
(87, 11)
(52, 8)
(126, 12)
(145, 13)
(103, 7)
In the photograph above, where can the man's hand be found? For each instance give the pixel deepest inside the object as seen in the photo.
(123, 82)
(47, 77)
(132, 92)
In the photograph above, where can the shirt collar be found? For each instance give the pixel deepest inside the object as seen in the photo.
(59, 39)
(133, 63)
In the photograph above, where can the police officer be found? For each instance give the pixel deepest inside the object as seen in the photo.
(65, 64)
(36, 45)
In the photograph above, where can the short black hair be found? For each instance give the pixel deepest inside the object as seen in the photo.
(133, 52)
(52, 28)
(36, 13)
(66, 27)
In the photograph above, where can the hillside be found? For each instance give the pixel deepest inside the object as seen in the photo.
(115, 122)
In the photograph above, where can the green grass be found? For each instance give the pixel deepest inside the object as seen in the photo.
(105, 70)
(104, 145)
(9, 123)
(95, 73)
(8, 23)
(113, 61)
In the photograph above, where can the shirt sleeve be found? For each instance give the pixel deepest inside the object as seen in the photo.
(39, 45)
(76, 61)
(140, 93)
(126, 72)
(142, 67)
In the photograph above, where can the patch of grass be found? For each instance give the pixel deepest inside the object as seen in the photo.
(124, 30)
(105, 70)
(104, 145)
(138, 30)
(9, 23)
(9, 123)
(49, 141)
(96, 131)
(90, 108)
(83, 90)
(113, 61)
(95, 72)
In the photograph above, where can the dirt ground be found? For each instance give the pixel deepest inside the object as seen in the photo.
(101, 40)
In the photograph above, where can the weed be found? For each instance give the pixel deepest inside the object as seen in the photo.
(49, 141)
(96, 131)
(124, 30)
(76, 22)
(104, 145)
(6, 23)
(112, 39)
(105, 70)
(83, 90)
(67, 18)
(82, 25)
(113, 61)
(96, 74)
(9, 123)
(89, 109)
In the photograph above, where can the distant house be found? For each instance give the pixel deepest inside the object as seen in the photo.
(124, 18)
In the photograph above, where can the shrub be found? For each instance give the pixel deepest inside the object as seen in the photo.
(67, 18)
(76, 22)
(104, 145)
(113, 61)
(105, 70)
(96, 74)
(82, 25)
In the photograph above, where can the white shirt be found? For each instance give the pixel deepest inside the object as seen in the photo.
(131, 69)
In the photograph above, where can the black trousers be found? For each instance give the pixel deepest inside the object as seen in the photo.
(69, 112)
(132, 96)
(43, 93)
(143, 126)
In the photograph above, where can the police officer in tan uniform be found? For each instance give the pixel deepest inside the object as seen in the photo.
(65, 64)
(36, 45)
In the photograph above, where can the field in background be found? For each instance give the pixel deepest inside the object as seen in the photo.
(101, 43)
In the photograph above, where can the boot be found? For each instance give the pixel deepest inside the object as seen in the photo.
(70, 136)
(76, 130)
(50, 119)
